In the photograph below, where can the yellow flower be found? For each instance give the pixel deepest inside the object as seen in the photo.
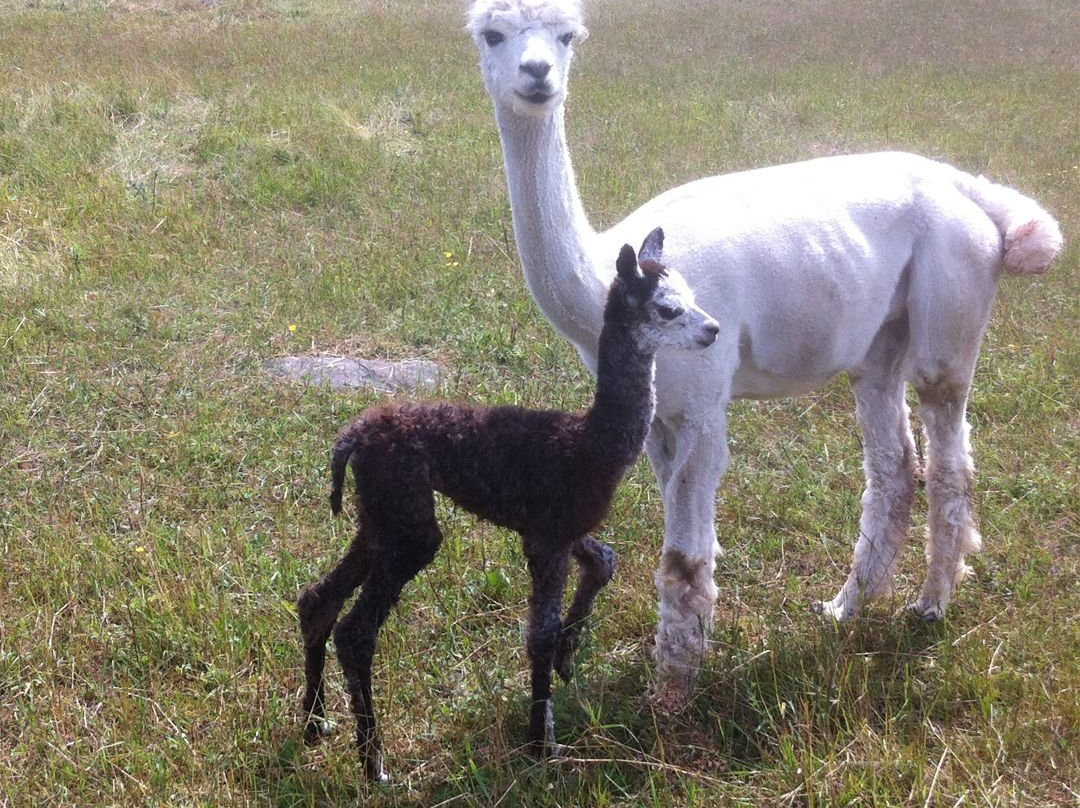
(447, 255)
(292, 328)
(140, 549)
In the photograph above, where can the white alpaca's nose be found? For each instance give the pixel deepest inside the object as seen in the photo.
(536, 68)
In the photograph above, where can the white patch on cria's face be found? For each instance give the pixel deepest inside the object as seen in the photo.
(525, 51)
(675, 320)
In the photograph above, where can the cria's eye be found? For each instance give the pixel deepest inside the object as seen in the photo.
(493, 38)
(566, 39)
(668, 312)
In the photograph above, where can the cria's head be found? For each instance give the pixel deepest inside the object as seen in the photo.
(526, 47)
(659, 300)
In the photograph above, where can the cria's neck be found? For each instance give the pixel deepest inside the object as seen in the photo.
(623, 407)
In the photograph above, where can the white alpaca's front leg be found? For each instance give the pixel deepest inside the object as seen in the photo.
(660, 449)
(684, 578)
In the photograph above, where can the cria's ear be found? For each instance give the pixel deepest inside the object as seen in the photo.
(652, 250)
(626, 266)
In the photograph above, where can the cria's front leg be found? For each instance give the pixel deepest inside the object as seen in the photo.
(596, 561)
(548, 570)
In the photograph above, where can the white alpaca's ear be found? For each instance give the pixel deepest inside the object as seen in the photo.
(652, 250)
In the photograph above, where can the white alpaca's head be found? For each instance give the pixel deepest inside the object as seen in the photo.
(664, 309)
(525, 50)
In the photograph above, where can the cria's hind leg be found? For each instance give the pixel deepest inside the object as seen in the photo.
(318, 607)
(596, 562)
(548, 568)
(890, 465)
(399, 555)
(949, 476)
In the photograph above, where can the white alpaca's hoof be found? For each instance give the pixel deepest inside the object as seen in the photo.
(837, 609)
(929, 612)
(670, 696)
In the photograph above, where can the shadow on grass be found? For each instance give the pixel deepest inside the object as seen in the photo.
(824, 684)
(820, 686)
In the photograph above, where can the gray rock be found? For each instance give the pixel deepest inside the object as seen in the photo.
(342, 372)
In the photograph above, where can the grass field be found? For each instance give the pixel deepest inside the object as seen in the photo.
(190, 188)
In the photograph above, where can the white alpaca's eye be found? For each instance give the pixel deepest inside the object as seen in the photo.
(493, 38)
(566, 39)
(668, 312)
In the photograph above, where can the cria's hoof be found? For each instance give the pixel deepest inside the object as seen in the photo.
(548, 751)
(556, 750)
(563, 662)
(318, 728)
(375, 769)
(564, 666)
(565, 671)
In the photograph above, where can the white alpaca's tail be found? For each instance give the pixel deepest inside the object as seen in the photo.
(1031, 237)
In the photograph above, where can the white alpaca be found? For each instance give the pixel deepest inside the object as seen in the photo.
(884, 266)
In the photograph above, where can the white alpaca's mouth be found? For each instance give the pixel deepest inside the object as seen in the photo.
(537, 97)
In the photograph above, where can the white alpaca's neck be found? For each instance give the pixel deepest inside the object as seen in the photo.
(554, 238)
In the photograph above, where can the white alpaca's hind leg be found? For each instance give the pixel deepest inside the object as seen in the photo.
(949, 476)
(889, 463)
(684, 578)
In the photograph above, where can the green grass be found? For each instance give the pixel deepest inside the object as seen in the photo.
(181, 182)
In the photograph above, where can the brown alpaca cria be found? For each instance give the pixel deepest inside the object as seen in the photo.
(548, 475)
